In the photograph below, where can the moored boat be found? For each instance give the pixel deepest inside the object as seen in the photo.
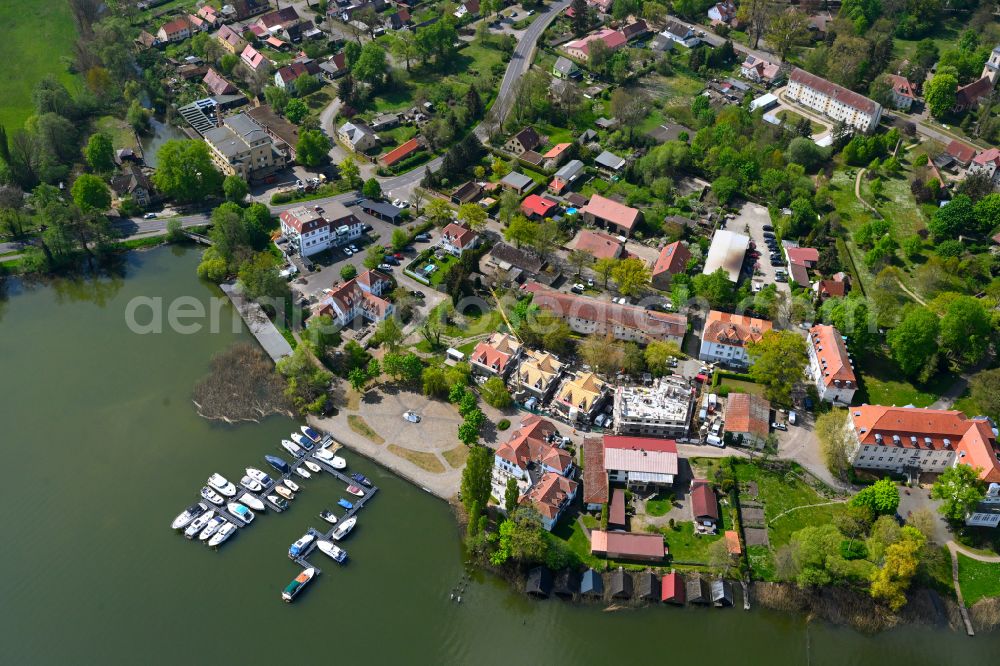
(356, 490)
(222, 484)
(311, 434)
(253, 485)
(277, 463)
(241, 512)
(259, 476)
(278, 501)
(300, 546)
(251, 501)
(291, 485)
(344, 503)
(338, 463)
(344, 528)
(184, 518)
(313, 467)
(224, 533)
(284, 492)
(324, 454)
(292, 448)
(212, 496)
(302, 441)
(198, 524)
(335, 552)
(362, 479)
(302, 472)
(211, 528)
(292, 589)
(328, 516)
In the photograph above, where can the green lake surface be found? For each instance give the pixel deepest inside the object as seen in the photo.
(102, 448)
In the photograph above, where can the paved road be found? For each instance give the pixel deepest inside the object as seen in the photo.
(717, 40)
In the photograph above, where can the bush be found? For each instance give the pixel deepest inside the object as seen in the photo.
(853, 550)
(503, 424)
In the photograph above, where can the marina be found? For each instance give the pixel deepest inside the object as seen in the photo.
(325, 463)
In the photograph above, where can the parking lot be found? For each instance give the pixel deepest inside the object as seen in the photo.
(751, 220)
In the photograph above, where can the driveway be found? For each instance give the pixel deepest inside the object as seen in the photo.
(799, 443)
(751, 220)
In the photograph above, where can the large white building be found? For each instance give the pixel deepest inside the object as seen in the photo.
(359, 299)
(830, 366)
(312, 229)
(726, 336)
(661, 410)
(911, 440)
(727, 252)
(833, 101)
(987, 512)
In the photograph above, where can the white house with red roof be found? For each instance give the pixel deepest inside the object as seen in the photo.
(360, 298)
(457, 238)
(726, 336)
(673, 260)
(902, 92)
(800, 260)
(254, 59)
(312, 229)
(643, 463)
(611, 214)
(759, 70)
(496, 355)
(580, 48)
(833, 101)
(830, 366)
(987, 162)
(911, 440)
(550, 497)
(176, 30)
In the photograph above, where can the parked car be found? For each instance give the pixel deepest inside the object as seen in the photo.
(348, 252)
(397, 255)
(577, 288)
(353, 247)
(149, 216)
(422, 238)
(767, 227)
(411, 417)
(385, 267)
(779, 426)
(417, 294)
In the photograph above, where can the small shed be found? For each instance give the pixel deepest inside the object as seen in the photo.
(567, 584)
(672, 589)
(592, 585)
(697, 591)
(722, 593)
(621, 584)
(616, 510)
(539, 582)
(647, 586)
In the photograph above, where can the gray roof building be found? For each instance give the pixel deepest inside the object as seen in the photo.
(610, 161)
(517, 181)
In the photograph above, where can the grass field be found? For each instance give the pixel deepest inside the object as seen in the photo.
(37, 35)
(789, 117)
(740, 386)
(686, 547)
(977, 579)
(120, 132)
(360, 426)
(884, 385)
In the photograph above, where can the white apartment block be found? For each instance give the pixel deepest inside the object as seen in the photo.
(312, 229)
(830, 366)
(661, 410)
(833, 101)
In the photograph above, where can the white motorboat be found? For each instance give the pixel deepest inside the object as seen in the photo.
(302, 472)
(259, 476)
(294, 487)
(253, 485)
(251, 501)
(313, 467)
(292, 448)
(328, 517)
(284, 492)
(338, 463)
(311, 434)
(344, 528)
(198, 524)
(211, 528)
(212, 496)
(300, 581)
(335, 552)
(302, 441)
(189, 514)
(323, 454)
(222, 484)
(300, 546)
(277, 501)
(333, 461)
(241, 512)
(224, 533)
(356, 491)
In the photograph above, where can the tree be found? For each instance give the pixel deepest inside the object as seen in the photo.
(720, 561)
(400, 239)
(304, 85)
(520, 231)
(960, 489)
(260, 280)
(476, 475)
(520, 538)
(601, 353)
(786, 30)
(658, 354)
(350, 172)
(715, 288)
(779, 359)
(754, 14)
(510, 495)
(438, 211)
(632, 276)
(296, 110)
(495, 393)
(955, 218)
(312, 148)
(985, 389)
(185, 171)
(882, 497)
(371, 66)
(235, 188)
(605, 268)
(100, 153)
(815, 551)
(966, 330)
(890, 582)
(725, 188)
(913, 343)
(374, 255)
(91, 194)
(473, 215)
(434, 383)
(372, 189)
(358, 378)
(578, 259)
(834, 442)
(307, 383)
(940, 93)
(389, 334)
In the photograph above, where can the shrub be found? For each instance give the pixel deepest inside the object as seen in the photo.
(503, 424)
(853, 550)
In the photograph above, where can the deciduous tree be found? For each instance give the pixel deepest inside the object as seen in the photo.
(779, 360)
(959, 488)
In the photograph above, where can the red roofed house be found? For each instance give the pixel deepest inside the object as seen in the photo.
(835, 287)
(902, 92)
(672, 590)
(643, 463)
(217, 84)
(556, 153)
(595, 477)
(911, 440)
(231, 40)
(360, 298)
(748, 419)
(704, 507)
(759, 70)
(725, 337)
(253, 59)
(591, 316)
(800, 260)
(970, 95)
(833, 101)
(580, 48)
(598, 245)
(636, 546)
(400, 152)
(174, 31)
(962, 153)
(673, 260)
(279, 20)
(312, 229)
(536, 207)
(987, 162)
(606, 212)
(456, 238)
(550, 497)
(288, 74)
(496, 355)
(830, 365)
(210, 15)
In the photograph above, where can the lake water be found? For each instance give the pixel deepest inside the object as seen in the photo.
(102, 448)
(160, 132)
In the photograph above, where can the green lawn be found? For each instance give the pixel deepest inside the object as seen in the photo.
(667, 89)
(120, 132)
(740, 386)
(883, 384)
(684, 546)
(37, 36)
(570, 532)
(977, 579)
(790, 117)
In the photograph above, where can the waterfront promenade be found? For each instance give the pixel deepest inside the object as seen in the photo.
(267, 335)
